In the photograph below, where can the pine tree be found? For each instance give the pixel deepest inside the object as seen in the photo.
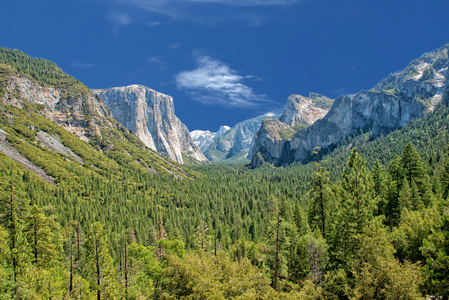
(412, 165)
(356, 209)
(203, 239)
(280, 232)
(161, 235)
(98, 264)
(14, 210)
(320, 197)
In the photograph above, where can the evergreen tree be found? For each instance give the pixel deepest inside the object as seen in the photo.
(356, 208)
(98, 264)
(14, 209)
(435, 249)
(320, 196)
(412, 165)
(278, 239)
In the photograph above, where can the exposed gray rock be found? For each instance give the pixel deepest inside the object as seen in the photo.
(236, 143)
(392, 103)
(270, 138)
(67, 112)
(151, 116)
(204, 138)
(303, 110)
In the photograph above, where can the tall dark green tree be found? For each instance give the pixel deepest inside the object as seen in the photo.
(412, 165)
(355, 210)
(320, 197)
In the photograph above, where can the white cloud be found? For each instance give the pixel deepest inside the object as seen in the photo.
(118, 18)
(155, 23)
(213, 82)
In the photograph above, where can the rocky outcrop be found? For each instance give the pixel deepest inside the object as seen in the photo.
(271, 137)
(301, 110)
(236, 144)
(204, 138)
(151, 116)
(392, 103)
(58, 105)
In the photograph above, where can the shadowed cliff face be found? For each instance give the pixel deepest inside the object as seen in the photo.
(151, 116)
(392, 103)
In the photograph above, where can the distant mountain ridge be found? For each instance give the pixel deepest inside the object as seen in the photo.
(204, 138)
(235, 144)
(392, 103)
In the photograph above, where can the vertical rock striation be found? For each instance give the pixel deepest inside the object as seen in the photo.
(151, 116)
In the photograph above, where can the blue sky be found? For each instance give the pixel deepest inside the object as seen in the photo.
(224, 61)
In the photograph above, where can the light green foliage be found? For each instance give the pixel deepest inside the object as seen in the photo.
(144, 270)
(98, 266)
(413, 228)
(378, 274)
(435, 249)
(201, 276)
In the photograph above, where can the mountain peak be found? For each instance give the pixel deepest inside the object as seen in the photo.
(393, 102)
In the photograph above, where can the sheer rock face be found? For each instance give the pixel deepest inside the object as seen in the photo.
(396, 100)
(204, 138)
(302, 110)
(151, 116)
(270, 139)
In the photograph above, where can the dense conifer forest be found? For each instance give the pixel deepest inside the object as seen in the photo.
(367, 219)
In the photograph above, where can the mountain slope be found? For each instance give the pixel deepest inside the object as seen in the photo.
(41, 106)
(396, 100)
(151, 116)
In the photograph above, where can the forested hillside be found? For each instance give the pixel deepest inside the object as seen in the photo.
(367, 219)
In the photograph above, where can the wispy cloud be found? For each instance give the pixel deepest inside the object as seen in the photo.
(209, 11)
(118, 18)
(158, 62)
(81, 65)
(247, 2)
(213, 82)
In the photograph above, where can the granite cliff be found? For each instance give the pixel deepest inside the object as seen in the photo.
(151, 116)
(34, 92)
(392, 103)
(304, 111)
